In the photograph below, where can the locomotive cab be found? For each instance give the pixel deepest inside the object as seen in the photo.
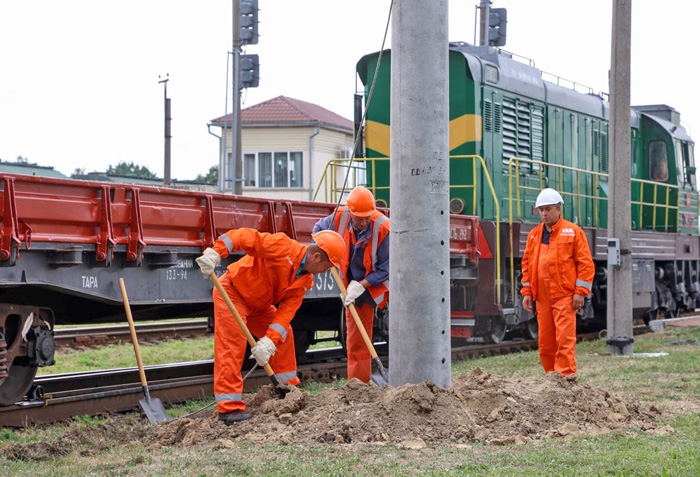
(667, 160)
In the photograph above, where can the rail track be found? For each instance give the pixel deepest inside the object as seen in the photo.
(94, 336)
(62, 396)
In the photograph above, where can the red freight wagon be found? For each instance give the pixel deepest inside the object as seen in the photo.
(65, 243)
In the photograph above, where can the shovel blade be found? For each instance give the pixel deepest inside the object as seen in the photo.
(154, 410)
(378, 379)
(279, 392)
(381, 377)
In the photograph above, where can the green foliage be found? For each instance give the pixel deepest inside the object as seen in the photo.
(212, 177)
(132, 170)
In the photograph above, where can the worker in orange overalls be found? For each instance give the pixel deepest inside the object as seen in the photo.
(266, 286)
(365, 269)
(558, 274)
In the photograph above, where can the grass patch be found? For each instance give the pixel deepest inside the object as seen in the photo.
(122, 355)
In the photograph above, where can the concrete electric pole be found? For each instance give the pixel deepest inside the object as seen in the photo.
(168, 119)
(419, 328)
(619, 293)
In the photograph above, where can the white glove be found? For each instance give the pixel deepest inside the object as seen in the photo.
(355, 289)
(208, 261)
(263, 350)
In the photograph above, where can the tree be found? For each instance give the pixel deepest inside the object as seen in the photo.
(132, 170)
(212, 176)
(22, 160)
(79, 171)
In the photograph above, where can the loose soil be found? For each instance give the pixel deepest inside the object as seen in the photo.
(478, 407)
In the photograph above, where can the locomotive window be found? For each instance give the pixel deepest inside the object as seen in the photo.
(680, 163)
(685, 155)
(491, 73)
(658, 161)
(691, 161)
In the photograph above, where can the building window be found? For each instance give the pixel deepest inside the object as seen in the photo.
(296, 170)
(273, 169)
(249, 179)
(265, 169)
(281, 169)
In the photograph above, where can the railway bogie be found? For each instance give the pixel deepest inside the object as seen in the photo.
(26, 343)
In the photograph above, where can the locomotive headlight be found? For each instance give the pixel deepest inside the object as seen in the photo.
(457, 206)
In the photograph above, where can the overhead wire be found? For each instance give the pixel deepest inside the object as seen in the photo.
(364, 113)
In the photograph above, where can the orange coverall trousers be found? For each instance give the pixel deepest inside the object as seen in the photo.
(556, 322)
(230, 349)
(359, 359)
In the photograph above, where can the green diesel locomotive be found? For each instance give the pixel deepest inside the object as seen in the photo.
(515, 130)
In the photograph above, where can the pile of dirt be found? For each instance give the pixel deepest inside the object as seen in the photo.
(478, 407)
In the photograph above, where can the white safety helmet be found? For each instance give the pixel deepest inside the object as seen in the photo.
(548, 197)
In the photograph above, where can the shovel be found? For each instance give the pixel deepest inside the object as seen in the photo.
(383, 377)
(278, 389)
(152, 407)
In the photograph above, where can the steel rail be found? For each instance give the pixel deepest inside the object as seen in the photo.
(109, 334)
(62, 396)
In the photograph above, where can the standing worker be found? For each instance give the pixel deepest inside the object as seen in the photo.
(558, 274)
(266, 286)
(365, 270)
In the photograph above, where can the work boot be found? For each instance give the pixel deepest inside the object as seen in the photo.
(233, 417)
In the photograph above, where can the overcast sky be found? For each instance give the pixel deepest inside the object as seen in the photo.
(79, 78)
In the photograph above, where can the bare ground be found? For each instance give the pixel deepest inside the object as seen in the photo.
(478, 407)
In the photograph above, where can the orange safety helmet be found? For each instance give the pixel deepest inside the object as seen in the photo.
(332, 243)
(361, 202)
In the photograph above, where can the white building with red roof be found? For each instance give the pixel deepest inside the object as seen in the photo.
(286, 144)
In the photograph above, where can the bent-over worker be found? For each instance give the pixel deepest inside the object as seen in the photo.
(267, 287)
(558, 274)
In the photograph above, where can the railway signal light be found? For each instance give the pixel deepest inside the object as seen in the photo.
(249, 22)
(498, 19)
(250, 71)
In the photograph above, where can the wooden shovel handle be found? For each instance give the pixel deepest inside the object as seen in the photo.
(354, 314)
(132, 328)
(239, 320)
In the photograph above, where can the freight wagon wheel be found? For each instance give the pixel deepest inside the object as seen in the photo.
(343, 331)
(18, 381)
(651, 315)
(497, 330)
(530, 329)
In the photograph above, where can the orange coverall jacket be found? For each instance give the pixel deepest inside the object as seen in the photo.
(266, 275)
(380, 228)
(571, 267)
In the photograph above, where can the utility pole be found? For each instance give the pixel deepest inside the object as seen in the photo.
(420, 214)
(168, 119)
(484, 8)
(236, 161)
(619, 293)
